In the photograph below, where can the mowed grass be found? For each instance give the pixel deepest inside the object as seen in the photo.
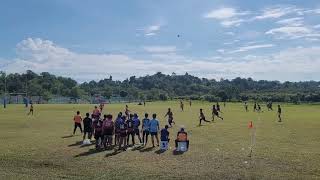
(40, 146)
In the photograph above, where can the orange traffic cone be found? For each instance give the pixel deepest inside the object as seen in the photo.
(250, 125)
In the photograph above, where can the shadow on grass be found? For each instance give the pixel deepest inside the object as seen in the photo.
(160, 151)
(113, 153)
(147, 149)
(91, 151)
(78, 143)
(177, 152)
(137, 148)
(69, 136)
(109, 148)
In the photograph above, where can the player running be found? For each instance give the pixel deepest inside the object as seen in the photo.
(259, 108)
(202, 117)
(31, 109)
(215, 112)
(279, 113)
(218, 107)
(170, 117)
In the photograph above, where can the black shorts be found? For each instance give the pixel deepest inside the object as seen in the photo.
(131, 133)
(154, 133)
(137, 132)
(117, 132)
(123, 134)
(146, 133)
(87, 130)
(97, 135)
(77, 124)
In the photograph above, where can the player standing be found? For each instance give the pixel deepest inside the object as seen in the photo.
(181, 105)
(127, 111)
(101, 106)
(77, 122)
(246, 106)
(279, 113)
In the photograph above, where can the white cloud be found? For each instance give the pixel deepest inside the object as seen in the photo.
(227, 16)
(247, 48)
(289, 30)
(277, 12)
(234, 22)
(40, 55)
(150, 34)
(297, 21)
(222, 13)
(314, 11)
(293, 32)
(316, 26)
(221, 50)
(151, 30)
(160, 49)
(230, 33)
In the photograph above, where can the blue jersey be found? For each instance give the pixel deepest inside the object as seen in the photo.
(146, 124)
(154, 124)
(164, 134)
(136, 123)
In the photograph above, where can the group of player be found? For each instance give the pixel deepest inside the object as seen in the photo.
(124, 127)
(257, 108)
(214, 111)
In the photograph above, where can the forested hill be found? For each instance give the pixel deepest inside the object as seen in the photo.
(162, 87)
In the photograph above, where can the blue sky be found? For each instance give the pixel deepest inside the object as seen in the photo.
(90, 40)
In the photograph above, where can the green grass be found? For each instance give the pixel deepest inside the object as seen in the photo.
(34, 148)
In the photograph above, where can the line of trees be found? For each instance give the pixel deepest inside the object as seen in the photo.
(163, 87)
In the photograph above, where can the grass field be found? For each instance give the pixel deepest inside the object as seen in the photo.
(40, 146)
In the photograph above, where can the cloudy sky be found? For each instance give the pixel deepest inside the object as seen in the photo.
(92, 39)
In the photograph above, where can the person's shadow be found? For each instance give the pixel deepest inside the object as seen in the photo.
(78, 143)
(113, 153)
(177, 152)
(160, 151)
(69, 136)
(91, 151)
(146, 149)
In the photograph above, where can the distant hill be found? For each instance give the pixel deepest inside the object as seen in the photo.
(162, 87)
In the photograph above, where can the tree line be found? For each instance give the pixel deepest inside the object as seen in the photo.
(162, 87)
